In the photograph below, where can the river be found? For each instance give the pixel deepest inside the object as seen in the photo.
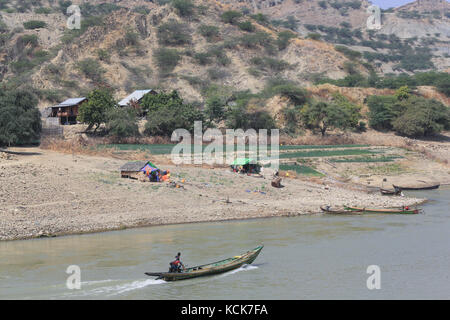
(305, 257)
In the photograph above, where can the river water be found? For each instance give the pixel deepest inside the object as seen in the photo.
(306, 257)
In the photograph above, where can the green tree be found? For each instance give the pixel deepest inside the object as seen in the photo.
(422, 117)
(20, 119)
(215, 108)
(167, 112)
(121, 123)
(323, 116)
(96, 110)
(153, 102)
(402, 93)
(382, 111)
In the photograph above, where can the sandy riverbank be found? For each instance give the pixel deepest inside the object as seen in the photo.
(50, 193)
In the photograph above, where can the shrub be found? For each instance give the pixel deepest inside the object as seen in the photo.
(29, 39)
(257, 39)
(231, 16)
(272, 64)
(202, 58)
(173, 33)
(246, 26)
(92, 69)
(349, 53)
(43, 10)
(34, 24)
(261, 18)
(211, 33)
(314, 36)
(185, 8)
(283, 39)
(166, 59)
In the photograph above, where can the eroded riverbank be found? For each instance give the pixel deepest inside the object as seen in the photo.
(49, 194)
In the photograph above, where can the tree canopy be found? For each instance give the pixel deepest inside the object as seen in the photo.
(95, 111)
(20, 119)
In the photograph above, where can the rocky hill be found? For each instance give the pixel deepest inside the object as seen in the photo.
(195, 48)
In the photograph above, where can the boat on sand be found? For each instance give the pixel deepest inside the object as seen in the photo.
(211, 268)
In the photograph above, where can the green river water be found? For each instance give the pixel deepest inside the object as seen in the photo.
(306, 257)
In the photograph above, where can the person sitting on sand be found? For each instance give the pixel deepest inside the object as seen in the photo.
(176, 265)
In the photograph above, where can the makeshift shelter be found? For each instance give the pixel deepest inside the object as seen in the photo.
(245, 165)
(137, 169)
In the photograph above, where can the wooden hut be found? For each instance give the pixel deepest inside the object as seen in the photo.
(67, 111)
(138, 169)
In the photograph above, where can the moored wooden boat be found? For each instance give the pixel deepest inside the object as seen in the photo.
(387, 211)
(338, 211)
(385, 192)
(432, 187)
(209, 269)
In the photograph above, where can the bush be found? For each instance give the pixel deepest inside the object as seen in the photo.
(246, 26)
(349, 53)
(314, 36)
(211, 33)
(166, 59)
(20, 119)
(91, 69)
(283, 39)
(173, 33)
(121, 123)
(272, 64)
(185, 8)
(231, 16)
(43, 10)
(34, 24)
(202, 58)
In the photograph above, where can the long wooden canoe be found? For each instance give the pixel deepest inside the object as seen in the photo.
(389, 211)
(209, 269)
(419, 188)
(339, 211)
(396, 192)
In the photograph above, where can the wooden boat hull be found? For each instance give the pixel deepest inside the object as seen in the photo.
(395, 192)
(330, 211)
(419, 188)
(385, 211)
(209, 269)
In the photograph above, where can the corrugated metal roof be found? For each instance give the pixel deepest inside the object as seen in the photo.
(71, 102)
(136, 96)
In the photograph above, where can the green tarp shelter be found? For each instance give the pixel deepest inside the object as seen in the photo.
(243, 161)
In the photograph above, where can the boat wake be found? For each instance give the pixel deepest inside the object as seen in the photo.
(245, 267)
(137, 285)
